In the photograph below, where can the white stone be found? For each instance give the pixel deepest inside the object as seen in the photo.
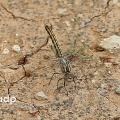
(40, 96)
(61, 10)
(117, 90)
(5, 41)
(5, 51)
(17, 34)
(93, 81)
(67, 23)
(72, 20)
(16, 48)
(109, 72)
(96, 73)
(111, 43)
(80, 15)
(82, 40)
(39, 118)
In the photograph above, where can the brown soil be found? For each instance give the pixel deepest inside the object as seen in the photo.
(22, 23)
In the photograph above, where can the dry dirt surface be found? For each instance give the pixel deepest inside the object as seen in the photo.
(25, 72)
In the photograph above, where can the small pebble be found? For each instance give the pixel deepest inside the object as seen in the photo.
(96, 73)
(61, 11)
(41, 96)
(16, 48)
(39, 118)
(93, 81)
(67, 23)
(109, 72)
(13, 66)
(112, 43)
(5, 41)
(32, 111)
(117, 90)
(17, 34)
(5, 51)
(72, 20)
(80, 15)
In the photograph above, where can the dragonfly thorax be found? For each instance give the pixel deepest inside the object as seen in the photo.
(65, 65)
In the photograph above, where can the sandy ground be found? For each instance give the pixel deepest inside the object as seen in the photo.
(89, 21)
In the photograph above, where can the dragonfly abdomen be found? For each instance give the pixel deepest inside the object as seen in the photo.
(54, 41)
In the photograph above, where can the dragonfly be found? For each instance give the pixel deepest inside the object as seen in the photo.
(63, 61)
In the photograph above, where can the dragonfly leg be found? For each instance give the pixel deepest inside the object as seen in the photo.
(51, 78)
(74, 81)
(65, 86)
(57, 84)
